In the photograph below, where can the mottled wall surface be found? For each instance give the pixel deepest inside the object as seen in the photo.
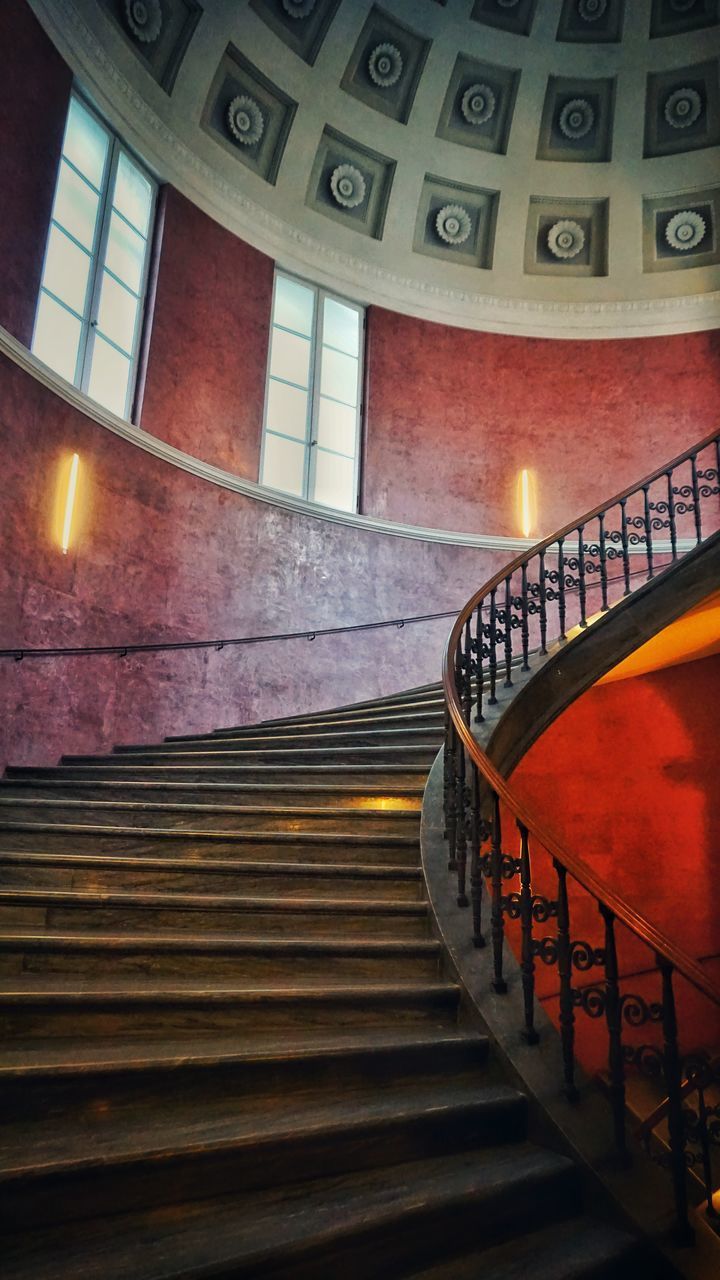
(205, 384)
(34, 92)
(162, 554)
(454, 415)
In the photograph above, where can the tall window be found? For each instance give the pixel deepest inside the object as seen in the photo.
(312, 404)
(89, 314)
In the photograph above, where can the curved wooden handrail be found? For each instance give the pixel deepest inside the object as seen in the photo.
(576, 867)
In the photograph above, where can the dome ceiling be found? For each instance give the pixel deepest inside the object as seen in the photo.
(535, 166)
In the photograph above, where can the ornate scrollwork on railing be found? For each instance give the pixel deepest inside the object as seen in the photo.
(614, 544)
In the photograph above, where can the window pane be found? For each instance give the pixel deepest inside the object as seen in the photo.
(66, 270)
(294, 305)
(117, 312)
(337, 426)
(284, 465)
(290, 357)
(56, 337)
(109, 376)
(76, 206)
(339, 376)
(86, 143)
(334, 481)
(133, 194)
(287, 410)
(125, 253)
(341, 326)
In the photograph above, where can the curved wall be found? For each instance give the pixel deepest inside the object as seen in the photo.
(161, 554)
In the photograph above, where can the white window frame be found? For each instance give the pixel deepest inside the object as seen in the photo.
(313, 388)
(89, 318)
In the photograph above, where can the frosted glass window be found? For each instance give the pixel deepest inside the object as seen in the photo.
(313, 395)
(109, 376)
(76, 206)
(284, 465)
(67, 268)
(57, 337)
(334, 481)
(341, 326)
(337, 426)
(133, 194)
(287, 409)
(290, 358)
(95, 262)
(339, 376)
(294, 305)
(86, 143)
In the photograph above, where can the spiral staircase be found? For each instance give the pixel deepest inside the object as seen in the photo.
(253, 1026)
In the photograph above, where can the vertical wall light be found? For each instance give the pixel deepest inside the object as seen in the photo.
(69, 503)
(526, 502)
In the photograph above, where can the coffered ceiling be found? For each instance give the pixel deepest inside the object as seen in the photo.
(549, 167)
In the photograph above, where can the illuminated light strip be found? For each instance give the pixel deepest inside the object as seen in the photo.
(70, 503)
(525, 507)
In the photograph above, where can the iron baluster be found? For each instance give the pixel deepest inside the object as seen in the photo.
(498, 924)
(476, 876)
(530, 1034)
(467, 672)
(613, 1017)
(564, 964)
(673, 1084)
(625, 544)
(543, 605)
(461, 828)
(446, 770)
(561, 588)
(508, 634)
(525, 628)
(696, 497)
(603, 564)
(581, 576)
(451, 820)
(671, 515)
(704, 1132)
(647, 520)
(479, 717)
(493, 651)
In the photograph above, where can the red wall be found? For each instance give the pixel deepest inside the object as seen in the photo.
(206, 370)
(627, 779)
(163, 554)
(454, 415)
(34, 92)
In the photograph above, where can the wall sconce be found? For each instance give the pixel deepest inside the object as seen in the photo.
(66, 501)
(526, 502)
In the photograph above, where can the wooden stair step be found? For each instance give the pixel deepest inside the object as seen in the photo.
(358, 1223)
(158, 1157)
(384, 777)
(84, 1007)
(304, 846)
(101, 873)
(68, 908)
(429, 716)
(584, 1248)
(318, 735)
(419, 755)
(338, 796)
(259, 959)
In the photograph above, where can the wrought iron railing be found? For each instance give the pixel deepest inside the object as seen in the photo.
(536, 889)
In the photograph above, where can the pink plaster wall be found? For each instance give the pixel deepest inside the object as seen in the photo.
(34, 93)
(205, 383)
(453, 416)
(162, 554)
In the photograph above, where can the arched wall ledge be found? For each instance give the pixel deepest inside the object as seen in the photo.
(24, 359)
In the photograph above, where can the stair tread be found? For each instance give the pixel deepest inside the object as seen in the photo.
(255, 1230)
(563, 1251)
(343, 870)
(188, 833)
(159, 940)
(182, 1128)
(54, 1058)
(157, 806)
(292, 788)
(75, 989)
(177, 901)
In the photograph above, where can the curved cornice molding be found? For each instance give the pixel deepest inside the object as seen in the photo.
(367, 280)
(25, 360)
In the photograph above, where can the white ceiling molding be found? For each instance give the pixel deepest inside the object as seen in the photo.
(628, 301)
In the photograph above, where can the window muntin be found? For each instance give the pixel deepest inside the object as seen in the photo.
(92, 293)
(313, 401)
